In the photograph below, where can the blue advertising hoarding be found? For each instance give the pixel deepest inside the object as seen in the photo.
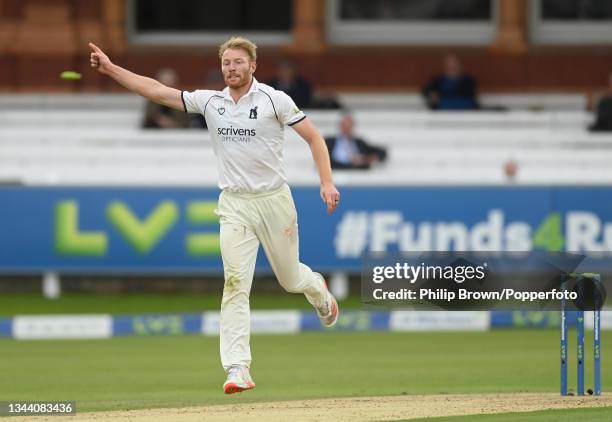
(175, 230)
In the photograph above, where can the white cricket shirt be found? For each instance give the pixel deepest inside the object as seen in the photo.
(247, 136)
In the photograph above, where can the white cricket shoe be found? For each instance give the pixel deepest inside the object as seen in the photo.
(238, 380)
(328, 312)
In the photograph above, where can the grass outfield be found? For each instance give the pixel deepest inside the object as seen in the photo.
(27, 304)
(565, 415)
(149, 372)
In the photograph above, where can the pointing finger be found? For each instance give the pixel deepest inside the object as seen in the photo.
(94, 47)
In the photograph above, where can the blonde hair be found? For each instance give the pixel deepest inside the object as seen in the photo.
(242, 43)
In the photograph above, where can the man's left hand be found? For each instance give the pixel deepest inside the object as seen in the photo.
(331, 196)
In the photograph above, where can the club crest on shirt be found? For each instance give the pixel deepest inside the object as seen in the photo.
(253, 113)
(221, 110)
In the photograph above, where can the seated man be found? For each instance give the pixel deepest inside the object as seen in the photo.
(288, 80)
(161, 117)
(349, 152)
(602, 105)
(453, 90)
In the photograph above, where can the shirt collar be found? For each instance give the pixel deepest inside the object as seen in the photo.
(254, 88)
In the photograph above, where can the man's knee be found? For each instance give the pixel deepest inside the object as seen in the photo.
(235, 286)
(232, 281)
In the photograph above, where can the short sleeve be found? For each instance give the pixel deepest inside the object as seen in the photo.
(288, 113)
(195, 101)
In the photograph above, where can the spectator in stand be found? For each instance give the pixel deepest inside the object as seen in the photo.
(601, 104)
(294, 85)
(510, 170)
(347, 151)
(214, 80)
(300, 89)
(453, 90)
(158, 116)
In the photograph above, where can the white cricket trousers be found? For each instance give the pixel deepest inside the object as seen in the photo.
(246, 220)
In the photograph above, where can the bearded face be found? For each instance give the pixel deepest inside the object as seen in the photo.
(237, 68)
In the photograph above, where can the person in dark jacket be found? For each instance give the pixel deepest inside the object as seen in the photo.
(346, 151)
(602, 106)
(157, 116)
(453, 90)
(294, 85)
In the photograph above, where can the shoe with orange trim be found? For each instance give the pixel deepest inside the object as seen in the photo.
(328, 312)
(238, 380)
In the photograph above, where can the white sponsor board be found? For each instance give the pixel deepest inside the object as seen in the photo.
(210, 323)
(262, 322)
(605, 321)
(275, 322)
(62, 327)
(439, 321)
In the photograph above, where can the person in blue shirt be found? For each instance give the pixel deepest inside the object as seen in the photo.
(452, 90)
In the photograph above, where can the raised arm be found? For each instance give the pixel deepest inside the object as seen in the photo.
(147, 87)
(329, 194)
